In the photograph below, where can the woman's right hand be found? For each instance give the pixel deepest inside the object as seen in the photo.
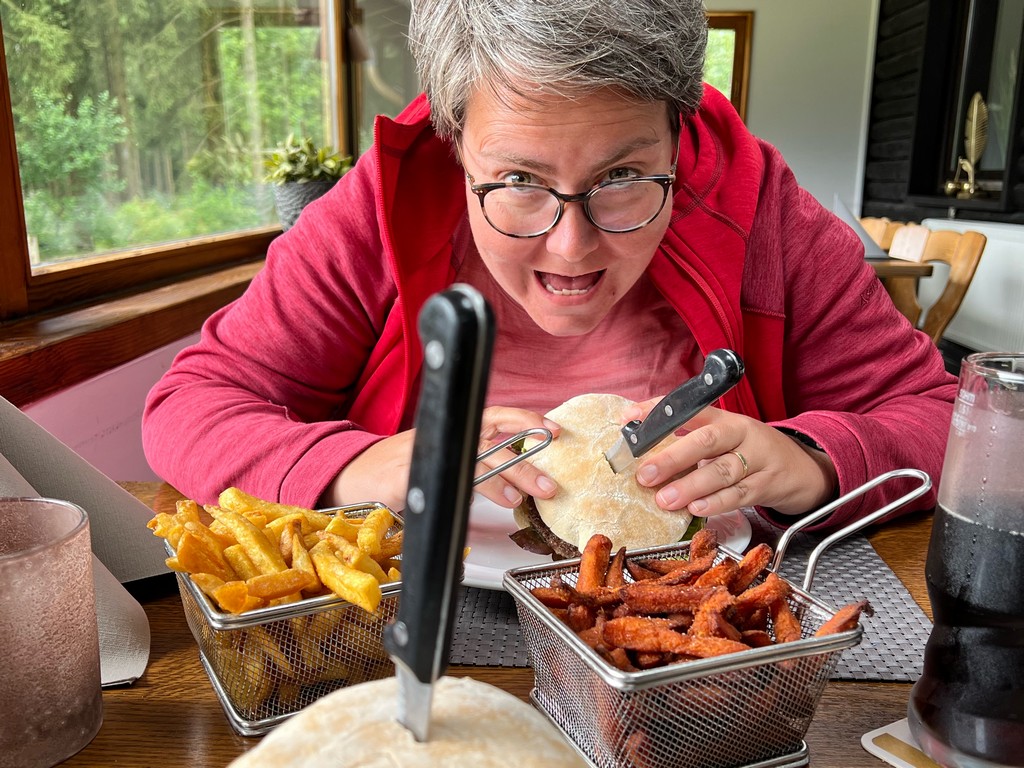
(381, 472)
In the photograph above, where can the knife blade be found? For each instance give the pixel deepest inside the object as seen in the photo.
(722, 369)
(457, 332)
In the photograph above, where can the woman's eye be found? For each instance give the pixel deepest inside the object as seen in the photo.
(518, 177)
(618, 174)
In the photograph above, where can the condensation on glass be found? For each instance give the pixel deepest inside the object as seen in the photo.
(50, 698)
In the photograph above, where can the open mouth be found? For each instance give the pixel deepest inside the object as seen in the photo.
(569, 285)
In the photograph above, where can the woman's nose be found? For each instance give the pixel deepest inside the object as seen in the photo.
(574, 237)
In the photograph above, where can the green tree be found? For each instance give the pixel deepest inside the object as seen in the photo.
(39, 47)
(68, 151)
(719, 59)
(128, 113)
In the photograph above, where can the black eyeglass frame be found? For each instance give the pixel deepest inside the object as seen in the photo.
(665, 180)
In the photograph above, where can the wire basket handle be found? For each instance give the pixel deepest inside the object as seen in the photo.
(856, 525)
(536, 431)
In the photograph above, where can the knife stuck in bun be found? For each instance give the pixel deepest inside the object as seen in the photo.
(472, 724)
(591, 498)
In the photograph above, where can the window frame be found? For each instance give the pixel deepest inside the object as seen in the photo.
(742, 24)
(53, 287)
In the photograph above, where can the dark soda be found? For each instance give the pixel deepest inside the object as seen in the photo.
(968, 707)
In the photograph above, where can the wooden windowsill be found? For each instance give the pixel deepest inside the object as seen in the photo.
(43, 354)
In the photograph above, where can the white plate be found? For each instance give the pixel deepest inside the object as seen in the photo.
(492, 552)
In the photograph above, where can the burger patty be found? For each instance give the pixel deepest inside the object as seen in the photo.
(538, 538)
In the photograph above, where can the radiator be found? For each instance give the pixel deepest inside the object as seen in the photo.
(991, 317)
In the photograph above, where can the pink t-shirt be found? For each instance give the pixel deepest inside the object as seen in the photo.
(642, 349)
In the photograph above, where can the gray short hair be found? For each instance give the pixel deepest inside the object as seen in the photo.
(652, 50)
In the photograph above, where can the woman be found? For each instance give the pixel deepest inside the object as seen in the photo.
(566, 162)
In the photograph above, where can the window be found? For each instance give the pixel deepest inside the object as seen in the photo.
(727, 66)
(139, 131)
(385, 73)
(971, 47)
(993, 38)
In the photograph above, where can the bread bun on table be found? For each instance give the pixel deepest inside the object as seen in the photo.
(472, 724)
(591, 498)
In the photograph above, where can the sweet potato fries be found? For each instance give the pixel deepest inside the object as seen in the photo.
(639, 614)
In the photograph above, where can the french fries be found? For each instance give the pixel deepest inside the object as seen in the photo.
(246, 553)
(639, 614)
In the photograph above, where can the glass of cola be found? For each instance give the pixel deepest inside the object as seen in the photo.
(967, 709)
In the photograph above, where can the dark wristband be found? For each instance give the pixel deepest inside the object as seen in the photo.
(800, 437)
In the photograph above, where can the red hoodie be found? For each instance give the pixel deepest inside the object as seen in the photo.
(320, 358)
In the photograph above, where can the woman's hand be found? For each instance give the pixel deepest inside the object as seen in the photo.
(381, 472)
(739, 462)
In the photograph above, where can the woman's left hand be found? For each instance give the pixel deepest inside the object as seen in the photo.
(739, 462)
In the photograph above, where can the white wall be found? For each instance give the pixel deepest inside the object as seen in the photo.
(101, 418)
(810, 87)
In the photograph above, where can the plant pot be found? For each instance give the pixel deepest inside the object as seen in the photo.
(290, 198)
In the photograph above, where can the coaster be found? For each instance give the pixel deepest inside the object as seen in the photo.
(896, 745)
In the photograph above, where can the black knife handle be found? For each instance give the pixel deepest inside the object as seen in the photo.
(722, 369)
(457, 331)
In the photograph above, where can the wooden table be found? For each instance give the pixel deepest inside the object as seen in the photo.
(172, 717)
(900, 268)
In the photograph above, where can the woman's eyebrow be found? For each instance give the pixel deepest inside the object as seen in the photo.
(627, 150)
(533, 164)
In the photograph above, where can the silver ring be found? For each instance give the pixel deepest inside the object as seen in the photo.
(743, 461)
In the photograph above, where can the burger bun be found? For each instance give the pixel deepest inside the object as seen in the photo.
(591, 498)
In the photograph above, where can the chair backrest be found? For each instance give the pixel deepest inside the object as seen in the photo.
(962, 252)
(881, 229)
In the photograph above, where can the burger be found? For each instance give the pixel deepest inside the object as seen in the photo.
(591, 498)
(472, 724)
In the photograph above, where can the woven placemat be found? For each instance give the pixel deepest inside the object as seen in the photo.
(892, 646)
(487, 631)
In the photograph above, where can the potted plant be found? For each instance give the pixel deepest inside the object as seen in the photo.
(301, 172)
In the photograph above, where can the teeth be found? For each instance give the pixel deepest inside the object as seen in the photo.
(566, 291)
(573, 292)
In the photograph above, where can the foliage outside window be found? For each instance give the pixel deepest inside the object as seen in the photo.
(137, 131)
(727, 65)
(140, 123)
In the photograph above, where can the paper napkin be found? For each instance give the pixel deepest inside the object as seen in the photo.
(909, 242)
(35, 463)
(117, 519)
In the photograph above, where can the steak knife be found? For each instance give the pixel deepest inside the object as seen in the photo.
(722, 370)
(457, 332)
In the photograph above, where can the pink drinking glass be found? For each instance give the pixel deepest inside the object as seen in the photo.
(50, 700)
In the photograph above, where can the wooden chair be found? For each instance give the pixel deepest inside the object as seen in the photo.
(881, 230)
(962, 252)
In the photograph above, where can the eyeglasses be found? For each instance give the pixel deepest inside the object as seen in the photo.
(532, 210)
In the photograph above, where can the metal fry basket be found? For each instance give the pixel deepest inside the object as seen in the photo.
(749, 709)
(268, 664)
